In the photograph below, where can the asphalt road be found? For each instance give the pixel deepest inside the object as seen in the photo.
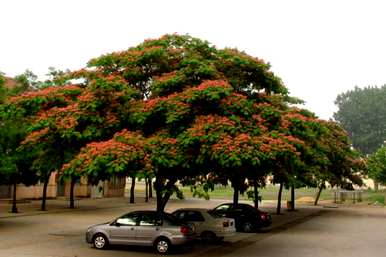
(343, 232)
(330, 232)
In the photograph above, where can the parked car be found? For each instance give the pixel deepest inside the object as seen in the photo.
(208, 225)
(144, 228)
(247, 218)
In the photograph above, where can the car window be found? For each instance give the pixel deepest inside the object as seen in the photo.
(170, 220)
(214, 214)
(128, 220)
(179, 215)
(222, 208)
(149, 219)
(194, 216)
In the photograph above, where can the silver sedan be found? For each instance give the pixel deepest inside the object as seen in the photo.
(145, 228)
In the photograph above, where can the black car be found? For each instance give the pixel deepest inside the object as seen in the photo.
(247, 218)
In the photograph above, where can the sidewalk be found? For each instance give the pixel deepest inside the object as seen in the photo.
(61, 205)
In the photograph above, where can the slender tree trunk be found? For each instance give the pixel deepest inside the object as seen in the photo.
(44, 197)
(256, 193)
(318, 194)
(14, 207)
(146, 191)
(235, 193)
(72, 186)
(132, 190)
(278, 208)
(292, 207)
(150, 188)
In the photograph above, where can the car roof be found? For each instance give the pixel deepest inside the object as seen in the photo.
(192, 209)
(145, 212)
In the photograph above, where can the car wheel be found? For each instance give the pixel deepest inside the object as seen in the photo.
(247, 227)
(100, 241)
(208, 236)
(162, 245)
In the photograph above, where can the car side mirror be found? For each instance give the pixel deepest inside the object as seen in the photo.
(115, 223)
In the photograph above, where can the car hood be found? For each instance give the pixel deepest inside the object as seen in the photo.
(100, 224)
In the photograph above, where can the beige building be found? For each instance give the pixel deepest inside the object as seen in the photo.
(113, 188)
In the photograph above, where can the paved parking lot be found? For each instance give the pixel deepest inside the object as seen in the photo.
(60, 232)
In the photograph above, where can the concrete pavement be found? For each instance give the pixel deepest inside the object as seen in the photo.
(59, 232)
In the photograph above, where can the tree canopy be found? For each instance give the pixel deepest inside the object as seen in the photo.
(178, 108)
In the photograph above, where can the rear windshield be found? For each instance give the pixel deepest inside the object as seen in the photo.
(214, 214)
(171, 219)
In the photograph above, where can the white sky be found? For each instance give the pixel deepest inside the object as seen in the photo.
(318, 48)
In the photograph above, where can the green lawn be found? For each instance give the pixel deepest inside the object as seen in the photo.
(270, 193)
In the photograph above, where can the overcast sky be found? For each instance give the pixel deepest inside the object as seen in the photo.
(318, 48)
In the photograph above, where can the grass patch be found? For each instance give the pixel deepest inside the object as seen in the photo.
(373, 197)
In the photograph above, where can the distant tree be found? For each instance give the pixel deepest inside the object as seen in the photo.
(377, 165)
(362, 113)
(26, 81)
(15, 167)
(3, 90)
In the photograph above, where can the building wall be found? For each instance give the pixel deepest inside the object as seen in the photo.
(115, 187)
(5, 191)
(81, 189)
(32, 192)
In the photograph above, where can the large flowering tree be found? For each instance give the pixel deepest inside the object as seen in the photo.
(174, 108)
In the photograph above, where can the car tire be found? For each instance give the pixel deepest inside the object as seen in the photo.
(247, 227)
(208, 236)
(100, 241)
(162, 245)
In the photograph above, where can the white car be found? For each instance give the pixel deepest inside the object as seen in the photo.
(208, 225)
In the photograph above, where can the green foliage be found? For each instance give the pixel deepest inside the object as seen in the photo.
(362, 113)
(176, 108)
(377, 165)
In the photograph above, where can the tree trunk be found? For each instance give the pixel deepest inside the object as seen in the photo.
(278, 208)
(72, 186)
(163, 198)
(44, 197)
(146, 191)
(318, 194)
(292, 207)
(235, 193)
(150, 188)
(14, 208)
(132, 190)
(256, 193)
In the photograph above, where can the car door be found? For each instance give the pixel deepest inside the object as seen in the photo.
(148, 228)
(123, 230)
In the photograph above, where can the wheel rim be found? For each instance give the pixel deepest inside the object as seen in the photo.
(162, 246)
(99, 242)
(247, 227)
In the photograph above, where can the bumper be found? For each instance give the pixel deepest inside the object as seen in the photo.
(89, 237)
(183, 240)
(226, 233)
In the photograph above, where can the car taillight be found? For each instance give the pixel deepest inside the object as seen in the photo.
(184, 230)
(225, 224)
(263, 216)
